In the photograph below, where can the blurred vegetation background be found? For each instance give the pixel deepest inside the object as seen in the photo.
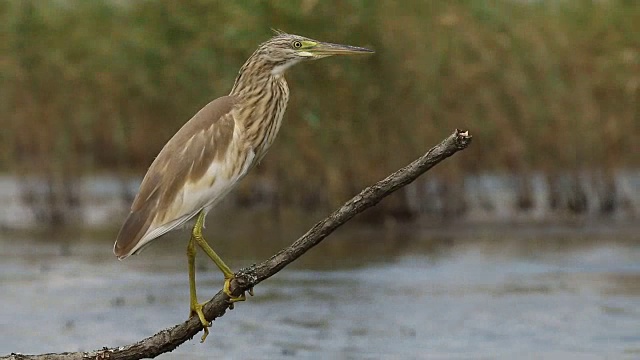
(94, 87)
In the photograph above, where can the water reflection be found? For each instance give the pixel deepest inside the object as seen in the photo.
(364, 293)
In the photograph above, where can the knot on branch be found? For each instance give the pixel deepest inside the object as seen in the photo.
(104, 354)
(245, 279)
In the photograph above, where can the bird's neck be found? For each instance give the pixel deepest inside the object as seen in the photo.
(254, 76)
(262, 97)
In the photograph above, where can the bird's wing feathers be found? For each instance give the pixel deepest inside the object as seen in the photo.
(191, 172)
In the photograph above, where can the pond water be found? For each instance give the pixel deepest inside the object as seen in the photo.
(365, 293)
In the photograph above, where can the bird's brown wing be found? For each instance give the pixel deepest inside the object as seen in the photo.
(186, 157)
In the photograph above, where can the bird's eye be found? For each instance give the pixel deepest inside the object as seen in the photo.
(297, 44)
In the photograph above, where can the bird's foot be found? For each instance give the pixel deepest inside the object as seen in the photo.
(196, 309)
(232, 298)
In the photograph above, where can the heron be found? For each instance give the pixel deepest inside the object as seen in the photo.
(214, 150)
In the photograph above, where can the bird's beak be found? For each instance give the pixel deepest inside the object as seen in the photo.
(323, 49)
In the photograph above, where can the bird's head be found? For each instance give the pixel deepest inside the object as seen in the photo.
(285, 50)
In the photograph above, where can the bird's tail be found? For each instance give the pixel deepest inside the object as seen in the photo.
(132, 231)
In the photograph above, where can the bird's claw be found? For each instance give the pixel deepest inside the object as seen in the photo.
(232, 298)
(196, 309)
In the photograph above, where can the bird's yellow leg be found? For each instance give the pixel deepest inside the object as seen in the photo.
(228, 274)
(196, 308)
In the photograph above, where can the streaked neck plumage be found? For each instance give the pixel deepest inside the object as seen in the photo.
(262, 95)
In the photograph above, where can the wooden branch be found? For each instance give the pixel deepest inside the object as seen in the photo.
(169, 339)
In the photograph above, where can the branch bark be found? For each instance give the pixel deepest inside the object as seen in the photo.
(169, 339)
